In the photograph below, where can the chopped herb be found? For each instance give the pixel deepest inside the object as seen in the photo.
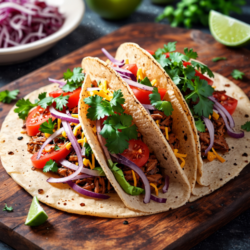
(7, 96)
(57, 147)
(44, 101)
(236, 74)
(145, 81)
(88, 150)
(216, 59)
(50, 166)
(246, 126)
(155, 100)
(74, 79)
(8, 209)
(200, 126)
(61, 101)
(48, 126)
(23, 108)
(62, 138)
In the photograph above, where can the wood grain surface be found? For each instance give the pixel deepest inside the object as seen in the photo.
(177, 229)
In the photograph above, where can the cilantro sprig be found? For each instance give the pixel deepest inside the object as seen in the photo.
(48, 126)
(216, 59)
(236, 74)
(74, 79)
(155, 100)
(8, 209)
(145, 81)
(88, 150)
(118, 128)
(50, 166)
(7, 96)
(246, 126)
(193, 88)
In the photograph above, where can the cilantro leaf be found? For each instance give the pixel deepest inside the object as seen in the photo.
(216, 59)
(189, 72)
(155, 100)
(88, 150)
(74, 79)
(47, 127)
(204, 107)
(77, 76)
(68, 74)
(56, 148)
(170, 47)
(45, 102)
(117, 101)
(8, 209)
(204, 69)
(163, 61)
(246, 126)
(200, 126)
(50, 166)
(23, 108)
(61, 101)
(190, 53)
(7, 96)
(177, 57)
(99, 108)
(145, 81)
(42, 95)
(236, 74)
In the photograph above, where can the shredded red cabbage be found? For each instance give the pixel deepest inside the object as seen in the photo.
(26, 21)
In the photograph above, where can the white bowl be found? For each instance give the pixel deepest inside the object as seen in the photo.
(73, 11)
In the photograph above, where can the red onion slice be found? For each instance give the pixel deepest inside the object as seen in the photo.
(77, 149)
(81, 176)
(230, 131)
(72, 166)
(210, 128)
(148, 106)
(85, 192)
(62, 116)
(157, 199)
(57, 133)
(125, 72)
(217, 104)
(112, 59)
(138, 85)
(61, 83)
(166, 185)
(126, 162)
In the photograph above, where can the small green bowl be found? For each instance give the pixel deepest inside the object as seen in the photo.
(113, 9)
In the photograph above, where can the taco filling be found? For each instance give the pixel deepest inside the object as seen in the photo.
(152, 98)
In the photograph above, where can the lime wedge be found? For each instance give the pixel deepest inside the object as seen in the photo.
(227, 30)
(36, 215)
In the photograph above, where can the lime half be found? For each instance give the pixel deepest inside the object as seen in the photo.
(227, 30)
(36, 215)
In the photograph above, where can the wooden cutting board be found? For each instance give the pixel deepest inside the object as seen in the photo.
(178, 229)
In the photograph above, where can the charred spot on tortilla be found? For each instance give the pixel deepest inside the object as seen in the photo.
(227, 85)
(82, 204)
(40, 191)
(246, 115)
(246, 161)
(10, 153)
(19, 138)
(235, 164)
(245, 154)
(185, 137)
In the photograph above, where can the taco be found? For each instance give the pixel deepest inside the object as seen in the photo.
(128, 144)
(162, 105)
(221, 151)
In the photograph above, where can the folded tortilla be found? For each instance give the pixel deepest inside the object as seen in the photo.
(179, 188)
(210, 175)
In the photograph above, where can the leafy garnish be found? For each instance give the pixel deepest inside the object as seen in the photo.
(47, 126)
(216, 59)
(190, 53)
(7, 96)
(200, 126)
(50, 166)
(246, 126)
(118, 128)
(236, 74)
(44, 101)
(155, 100)
(88, 150)
(170, 47)
(204, 69)
(23, 108)
(56, 148)
(61, 101)
(8, 209)
(74, 79)
(145, 81)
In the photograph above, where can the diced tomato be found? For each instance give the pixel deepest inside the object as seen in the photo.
(229, 103)
(137, 152)
(35, 118)
(150, 51)
(200, 75)
(53, 155)
(132, 68)
(143, 95)
(73, 96)
(167, 55)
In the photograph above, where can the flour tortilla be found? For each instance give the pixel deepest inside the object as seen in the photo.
(179, 188)
(210, 175)
(181, 122)
(60, 196)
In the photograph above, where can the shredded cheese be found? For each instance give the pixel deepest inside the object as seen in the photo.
(59, 121)
(93, 161)
(103, 85)
(216, 116)
(83, 138)
(157, 122)
(68, 146)
(134, 177)
(211, 156)
(154, 186)
(166, 131)
(47, 135)
(76, 129)
(222, 160)
(154, 82)
(126, 61)
(181, 157)
(209, 117)
(87, 163)
(75, 115)
(94, 129)
(139, 74)
(102, 94)
(64, 134)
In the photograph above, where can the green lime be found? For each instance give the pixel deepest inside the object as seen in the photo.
(36, 215)
(227, 30)
(113, 9)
